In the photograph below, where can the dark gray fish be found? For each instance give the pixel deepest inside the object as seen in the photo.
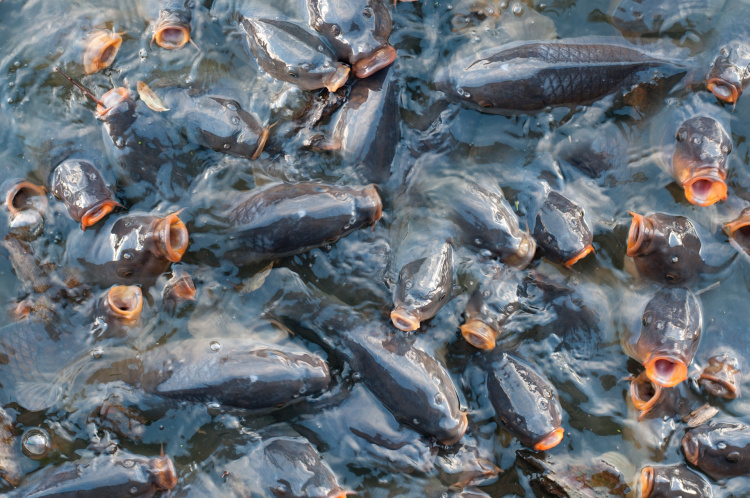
(172, 27)
(358, 31)
(79, 184)
(10, 468)
(721, 377)
(720, 450)
(728, 73)
(560, 230)
(290, 53)
(672, 481)
(533, 75)
(644, 17)
(24, 205)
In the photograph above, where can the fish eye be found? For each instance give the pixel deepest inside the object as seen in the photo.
(672, 277)
(336, 30)
(733, 457)
(680, 136)
(293, 74)
(126, 274)
(646, 319)
(367, 12)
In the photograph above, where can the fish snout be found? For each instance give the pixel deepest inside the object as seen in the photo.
(374, 61)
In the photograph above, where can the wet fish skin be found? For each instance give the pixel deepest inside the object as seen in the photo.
(79, 184)
(132, 249)
(665, 248)
(641, 17)
(120, 475)
(525, 402)
(719, 450)
(727, 75)
(424, 286)
(561, 231)
(669, 336)
(672, 481)
(290, 53)
(358, 31)
(722, 376)
(282, 466)
(533, 75)
(10, 468)
(242, 373)
(286, 219)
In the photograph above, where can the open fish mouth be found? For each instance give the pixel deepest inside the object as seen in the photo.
(641, 229)
(738, 231)
(586, 251)
(171, 36)
(644, 394)
(479, 334)
(25, 195)
(550, 440)
(705, 190)
(171, 237)
(724, 90)
(720, 386)
(691, 448)
(404, 319)
(112, 99)
(97, 212)
(665, 371)
(646, 482)
(101, 50)
(374, 62)
(125, 301)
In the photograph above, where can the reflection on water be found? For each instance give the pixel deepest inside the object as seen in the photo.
(607, 157)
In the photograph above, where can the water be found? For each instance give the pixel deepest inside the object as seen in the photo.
(44, 118)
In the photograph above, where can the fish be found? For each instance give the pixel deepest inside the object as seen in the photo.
(410, 383)
(727, 76)
(172, 27)
(669, 336)
(721, 377)
(100, 48)
(79, 184)
(24, 204)
(525, 402)
(131, 249)
(217, 121)
(281, 220)
(120, 475)
(490, 306)
(113, 414)
(665, 248)
(281, 466)
(531, 76)
(178, 289)
(10, 464)
(719, 450)
(641, 17)
(672, 481)
(695, 149)
(119, 308)
(424, 286)
(561, 232)
(738, 231)
(291, 53)
(242, 373)
(358, 31)
(653, 401)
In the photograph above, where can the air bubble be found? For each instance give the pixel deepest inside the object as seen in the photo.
(36, 443)
(215, 346)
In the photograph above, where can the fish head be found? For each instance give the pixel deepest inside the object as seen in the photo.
(125, 302)
(738, 230)
(81, 187)
(719, 449)
(699, 162)
(172, 29)
(721, 376)
(729, 73)
(100, 50)
(637, 17)
(561, 230)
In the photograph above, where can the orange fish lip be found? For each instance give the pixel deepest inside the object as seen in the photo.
(374, 62)
(18, 196)
(729, 386)
(647, 481)
(337, 79)
(404, 319)
(163, 471)
(691, 448)
(665, 371)
(640, 232)
(111, 99)
(733, 226)
(184, 288)
(101, 50)
(641, 404)
(479, 334)
(164, 35)
(550, 440)
(97, 212)
(715, 84)
(586, 251)
(125, 301)
(371, 193)
(171, 237)
(705, 189)
(463, 424)
(525, 253)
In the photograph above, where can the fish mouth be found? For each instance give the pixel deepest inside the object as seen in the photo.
(738, 231)
(691, 448)
(171, 36)
(586, 251)
(705, 189)
(719, 386)
(97, 212)
(125, 302)
(171, 237)
(112, 99)
(23, 196)
(665, 371)
(162, 469)
(374, 205)
(463, 424)
(639, 235)
(647, 482)
(479, 334)
(644, 394)
(550, 440)
(404, 319)
(724, 90)
(101, 50)
(524, 254)
(374, 62)
(337, 79)
(184, 288)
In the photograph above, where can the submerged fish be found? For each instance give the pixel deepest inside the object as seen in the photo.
(644, 17)
(533, 75)
(720, 450)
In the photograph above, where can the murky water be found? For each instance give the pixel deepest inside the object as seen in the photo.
(574, 339)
